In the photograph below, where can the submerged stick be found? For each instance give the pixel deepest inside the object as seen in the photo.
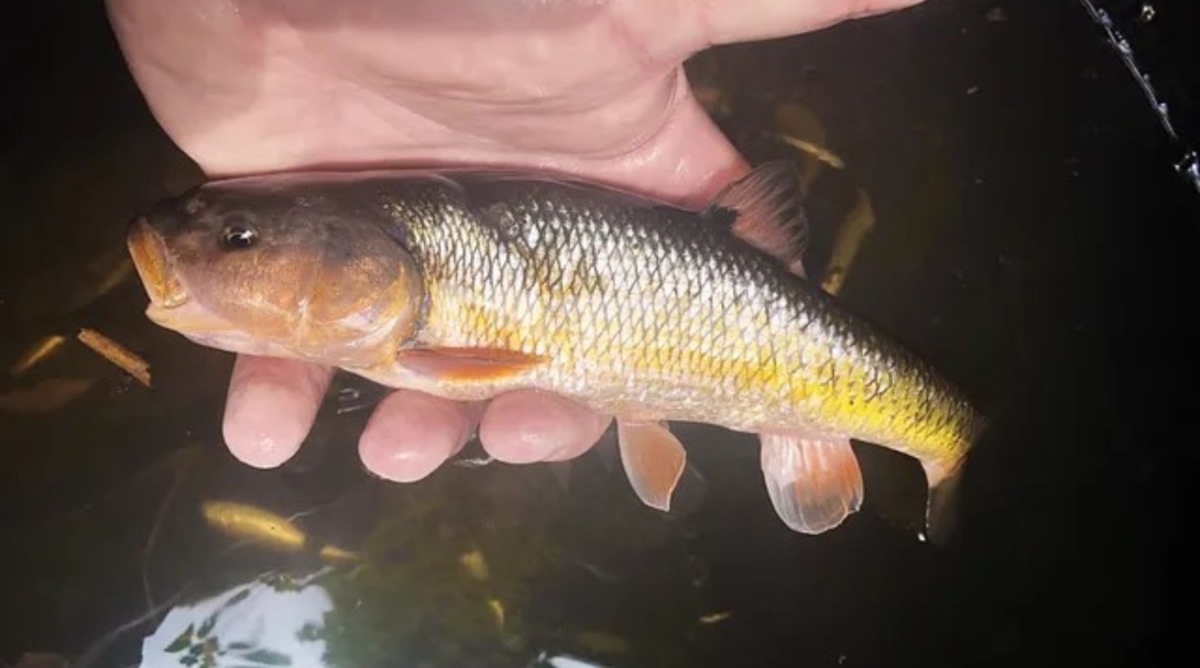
(119, 355)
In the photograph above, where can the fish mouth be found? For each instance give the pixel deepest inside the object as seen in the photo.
(170, 304)
(150, 258)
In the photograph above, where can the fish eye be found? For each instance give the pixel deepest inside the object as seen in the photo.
(238, 234)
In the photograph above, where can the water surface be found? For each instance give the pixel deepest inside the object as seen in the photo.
(1026, 228)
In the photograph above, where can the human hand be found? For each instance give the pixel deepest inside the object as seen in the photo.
(594, 89)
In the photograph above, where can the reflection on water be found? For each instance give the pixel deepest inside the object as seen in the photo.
(273, 621)
(488, 566)
(952, 158)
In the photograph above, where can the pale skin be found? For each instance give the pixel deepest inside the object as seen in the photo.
(594, 89)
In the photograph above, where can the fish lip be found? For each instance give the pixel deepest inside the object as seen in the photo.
(153, 264)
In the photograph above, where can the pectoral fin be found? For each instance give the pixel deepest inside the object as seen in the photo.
(654, 461)
(814, 481)
(468, 364)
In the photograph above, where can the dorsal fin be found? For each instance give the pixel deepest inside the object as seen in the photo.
(765, 210)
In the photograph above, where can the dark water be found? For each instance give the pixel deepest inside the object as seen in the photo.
(1031, 238)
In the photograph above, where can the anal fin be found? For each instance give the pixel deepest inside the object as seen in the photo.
(654, 460)
(814, 481)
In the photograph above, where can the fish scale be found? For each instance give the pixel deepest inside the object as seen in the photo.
(710, 329)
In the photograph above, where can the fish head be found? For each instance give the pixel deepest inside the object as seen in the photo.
(280, 271)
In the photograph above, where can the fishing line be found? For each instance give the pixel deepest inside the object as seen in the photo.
(1188, 165)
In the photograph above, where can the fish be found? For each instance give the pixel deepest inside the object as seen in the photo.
(465, 282)
(251, 523)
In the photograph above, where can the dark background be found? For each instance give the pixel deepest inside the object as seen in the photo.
(1041, 250)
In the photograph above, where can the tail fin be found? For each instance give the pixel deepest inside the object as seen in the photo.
(941, 508)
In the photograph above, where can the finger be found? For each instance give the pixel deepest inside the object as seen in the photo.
(729, 21)
(270, 408)
(411, 434)
(530, 426)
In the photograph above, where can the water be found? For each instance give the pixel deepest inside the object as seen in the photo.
(1029, 235)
